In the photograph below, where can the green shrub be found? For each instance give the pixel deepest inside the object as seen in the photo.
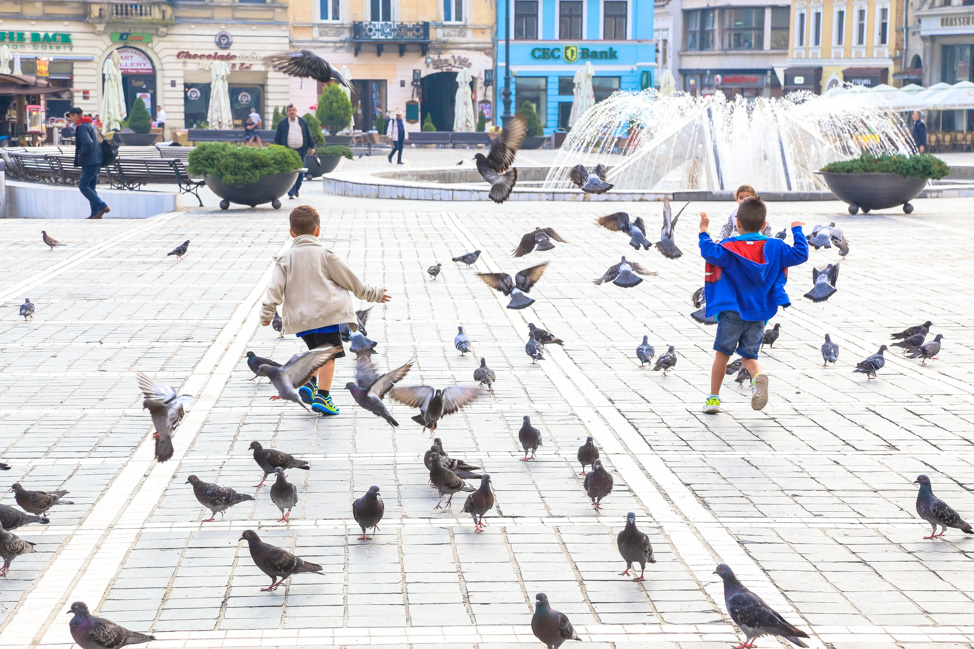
(241, 165)
(139, 119)
(334, 109)
(315, 127)
(481, 122)
(921, 165)
(380, 123)
(428, 123)
(276, 117)
(530, 114)
(336, 149)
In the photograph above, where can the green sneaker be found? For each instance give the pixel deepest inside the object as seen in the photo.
(308, 391)
(712, 407)
(324, 405)
(759, 391)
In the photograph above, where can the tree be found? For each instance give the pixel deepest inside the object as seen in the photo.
(481, 122)
(139, 119)
(380, 124)
(428, 123)
(276, 117)
(334, 109)
(530, 115)
(315, 127)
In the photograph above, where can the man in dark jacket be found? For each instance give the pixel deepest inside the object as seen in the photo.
(87, 155)
(919, 131)
(294, 133)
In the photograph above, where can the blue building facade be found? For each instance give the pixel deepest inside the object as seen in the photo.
(552, 39)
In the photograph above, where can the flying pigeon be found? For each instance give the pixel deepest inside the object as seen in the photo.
(667, 244)
(699, 297)
(911, 331)
(462, 342)
(434, 271)
(446, 481)
(361, 346)
(937, 512)
(479, 503)
(305, 63)
(771, 336)
(824, 280)
(284, 494)
(540, 239)
(821, 237)
(587, 453)
(4, 466)
(666, 361)
(544, 337)
(530, 438)
(361, 317)
(254, 362)
(533, 349)
(38, 502)
(180, 250)
(928, 350)
(91, 632)
(913, 342)
(839, 240)
(733, 368)
(873, 364)
(619, 222)
(516, 288)
(166, 408)
(598, 484)
(49, 240)
(269, 459)
(276, 563)
(700, 302)
(434, 403)
(624, 274)
(645, 352)
(370, 387)
(214, 497)
(549, 626)
(298, 371)
(752, 615)
(485, 376)
(11, 519)
(27, 309)
(496, 167)
(368, 511)
(591, 182)
(458, 466)
(634, 546)
(277, 324)
(469, 258)
(12, 546)
(830, 351)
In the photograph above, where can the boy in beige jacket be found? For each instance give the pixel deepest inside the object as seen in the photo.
(312, 284)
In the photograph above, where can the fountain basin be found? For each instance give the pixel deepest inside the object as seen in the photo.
(874, 191)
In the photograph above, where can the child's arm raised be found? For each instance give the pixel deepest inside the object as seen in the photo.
(797, 254)
(709, 250)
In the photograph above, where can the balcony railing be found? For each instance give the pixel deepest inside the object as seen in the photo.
(381, 33)
(154, 13)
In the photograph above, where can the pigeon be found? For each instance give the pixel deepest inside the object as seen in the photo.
(298, 371)
(12, 546)
(821, 237)
(92, 632)
(305, 63)
(591, 182)
(214, 497)
(269, 459)
(830, 351)
(284, 495)
(496, 167)
(667, 244)
(928, 350)
(361, 317)
(485, 376)
(752, 615)
(742, 376)
(913, 342)
(666, 361)
(539, 240)
(782, 235)
(361, 346)
(534, 349)
(911, 331)
(634, 546)
(700, 301)
(839, 240)
(462, 342)
(276, 563)
(619, 222)
(434, 271)
(368, 511)
(11, 519)
(458, 466)
(530, 438)
(4, 466)
(733, 368)
(166, 408)
(598, 484)
(587, 453)
(771, 336)
(624, 274)
(824, 280)
(38, 502)
(645, 352)
(180, 250)
(479, 503)
(446, 481)
(277, 324)
(370, 387)
(544, 337)
(433, 403)
(49, 240)
(469, 258)
(516, 288)
(549, 626)
(699, 297)
(873, 364)
(937, 512)
(254, 362)
(27, 309)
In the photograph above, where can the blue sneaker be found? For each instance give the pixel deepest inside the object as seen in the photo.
(324, 405)
(308, 391)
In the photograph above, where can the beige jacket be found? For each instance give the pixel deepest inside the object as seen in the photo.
(313, 284)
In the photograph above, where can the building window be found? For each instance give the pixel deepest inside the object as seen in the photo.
(570, 20)
(957, 64)
(800, 29)
(662, 37)
(780, 19)
(381, 11)
(614, 20)
(526, 20)
(817, 29)
(883, 25)
(839, 38)
(860, 26)
(700, 28)
(535, 90)
(744, 29)
(330, 10)
(453, 11)
(566, 86)
(602, 87)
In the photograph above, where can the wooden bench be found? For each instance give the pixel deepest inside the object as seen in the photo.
(468, 140)
(133, 174)
(169, 152)
(436, 138)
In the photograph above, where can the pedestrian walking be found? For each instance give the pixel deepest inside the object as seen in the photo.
(398, 135)
(161, 121)
(294, 133)
(918, 129)
(88, 156)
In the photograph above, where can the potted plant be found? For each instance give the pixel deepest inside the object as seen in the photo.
(428, 125)
(330, 156)
(140, 122)
(535, 138)
(244, 174)
(872, 182)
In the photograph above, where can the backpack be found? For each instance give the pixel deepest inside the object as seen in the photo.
(109, 149)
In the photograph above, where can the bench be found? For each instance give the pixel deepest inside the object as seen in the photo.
(468, 140)
(169, 152)
(132, 174)
(435, 138)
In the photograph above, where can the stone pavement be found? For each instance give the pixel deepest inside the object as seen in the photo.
(811, 502)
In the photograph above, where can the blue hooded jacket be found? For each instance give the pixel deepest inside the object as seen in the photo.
(747, 273)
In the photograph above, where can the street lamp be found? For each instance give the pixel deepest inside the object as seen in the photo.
(506, 92)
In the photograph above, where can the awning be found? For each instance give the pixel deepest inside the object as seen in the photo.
(9, 91)
(910, 73)
(806, 78)
(867, 77)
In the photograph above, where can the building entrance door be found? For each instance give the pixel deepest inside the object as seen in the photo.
(439, 99)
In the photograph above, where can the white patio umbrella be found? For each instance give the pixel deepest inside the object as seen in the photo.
(922, 99)
(959, 96)
(347, 75)
(5, 58)
(112, 97)
(218, 115)
(584, 95)
(667, 84)
(17, 68)
(463, 117)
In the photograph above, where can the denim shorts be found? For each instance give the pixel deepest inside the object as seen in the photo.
(743, 336)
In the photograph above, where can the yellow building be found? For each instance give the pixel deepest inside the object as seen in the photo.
(836, 41)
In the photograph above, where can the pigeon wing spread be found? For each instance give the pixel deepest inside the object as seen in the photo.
(306, 63)
(302, 367)
(456, 397)
(501, 183)
(506, 146)
(498, 281)
(417, 396)
(618, 222)
(370, 380)
(528, 277)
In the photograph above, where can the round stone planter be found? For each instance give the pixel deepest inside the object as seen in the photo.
(138, 139)
(268, 189)
(534, 142)
(874, 191)
(320, 164)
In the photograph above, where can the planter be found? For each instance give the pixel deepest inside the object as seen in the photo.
(268, 189)
(874, 191)
(138, 139)
(320, 164)
(534, 142)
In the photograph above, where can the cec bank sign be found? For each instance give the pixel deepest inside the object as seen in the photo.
(573, 53)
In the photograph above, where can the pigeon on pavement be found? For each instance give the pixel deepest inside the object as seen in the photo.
(752, 614)
(733, 368)
(824, 280)
(305, 63)
(645, 352)
(913, 342)
(591, 182)
(619, 222)
(830, 351)
(549, 626)
(496, 167)
(166, 408)
(254, 362)
(485, 376)
(269, 459)
(460, 467)
(530, 438)
(276, 563)
(937, 512)
(928, 350)
(873, 364)
(446, 481)
(598, 484)
(92, 632)
(634, 546)
(371, 387)
(434, 270)
(368, 511)
(771, 335)
(666, 361)
(298, 371)
(180, 250)
(4, 466)
(284, 495)
(539, 240)
(515, 288)
(12, 546)
(667, 243)
(361, 317)
(588, 453)
(544, 337)
(462, 342)
(277, 324)
(624, 274)
(742, 376)
(11, 519)
(434, 403)
(38, 502)
(27, 309)
(479, 503)
(361, 346)
(533, 349)
(469, 258)
(49, 240)
(911, 331)
(214, 497)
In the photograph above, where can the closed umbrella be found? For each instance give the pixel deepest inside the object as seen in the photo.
(348, 77)
(463, 118)
(5, 58)
(218, 114)
(17, 69)
(667, 84)
(112, 98)
(584, 95)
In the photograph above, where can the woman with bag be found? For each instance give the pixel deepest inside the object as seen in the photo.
(88, 155)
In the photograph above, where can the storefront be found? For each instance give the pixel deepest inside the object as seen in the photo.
(745, 83)
(948, 55)
(803, 79)
(866, 77)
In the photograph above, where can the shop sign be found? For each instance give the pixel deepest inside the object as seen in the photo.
(131, 37)
(738, 80)
(133, 61)
(572, 53)
(223, 40)
(234, 61)
(455, 61)
(957, 21)
(58, 41)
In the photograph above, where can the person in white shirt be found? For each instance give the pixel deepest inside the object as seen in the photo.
(294, 133)
(254, 115)
(398, 136)
(161, 121)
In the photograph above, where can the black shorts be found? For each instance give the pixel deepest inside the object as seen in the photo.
(317, 340)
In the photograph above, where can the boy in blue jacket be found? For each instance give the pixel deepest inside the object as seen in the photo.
(745, 285)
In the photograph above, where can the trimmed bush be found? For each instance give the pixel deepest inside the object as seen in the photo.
(241, 165)
(530, 115)
(139, 119)
(481, 122)
(921, 165)
(276, 117)
(334, 109)
(428, 123)
(315, 127)
(380, 124)
(336, 149)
